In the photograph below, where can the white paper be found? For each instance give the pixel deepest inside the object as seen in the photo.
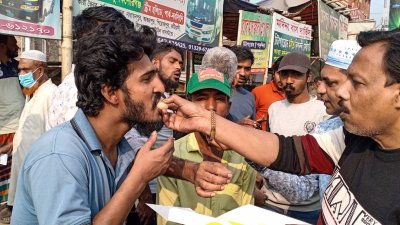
(185, 215)
(248, 214)
(3, 159)
(253, 215)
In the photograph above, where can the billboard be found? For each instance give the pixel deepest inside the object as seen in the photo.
(193, 25)
(394, 14)
(332, 26)
(38, 18)
(255, 32)
(289, 36)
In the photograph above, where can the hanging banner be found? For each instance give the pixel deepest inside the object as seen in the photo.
(394, 14)
(255, 33)
(193, 25)
(39, 18)
(332, 26)
(289, 36)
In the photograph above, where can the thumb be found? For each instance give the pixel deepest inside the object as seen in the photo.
(150, 142)
(247, 117)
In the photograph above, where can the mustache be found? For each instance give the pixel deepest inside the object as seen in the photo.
(342, 107)
(288, 86)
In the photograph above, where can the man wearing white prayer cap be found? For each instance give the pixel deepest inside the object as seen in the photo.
(38, 89)
(333, 74)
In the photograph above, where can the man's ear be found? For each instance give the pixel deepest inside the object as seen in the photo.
(156, 62)
(109, 94)
(309, 77)
(397, 96)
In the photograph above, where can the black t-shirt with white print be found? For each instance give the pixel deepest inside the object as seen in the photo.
(365, 185)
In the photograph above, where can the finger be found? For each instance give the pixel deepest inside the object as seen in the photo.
(206, 185)
(212, 179)
(203, 193)
(218, 170)
(150, 142)
(167, 148)
(174, 101)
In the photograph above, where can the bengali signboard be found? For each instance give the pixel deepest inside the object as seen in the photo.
(194, 25)
(332, 26)
(40, 18)
(394, 14)
(289, 36)
(255, 33)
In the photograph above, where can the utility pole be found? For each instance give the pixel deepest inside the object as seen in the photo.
(66, 45)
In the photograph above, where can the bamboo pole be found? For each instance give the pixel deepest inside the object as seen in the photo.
(66, 45)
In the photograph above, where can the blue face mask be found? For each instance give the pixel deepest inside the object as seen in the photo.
(26, 80)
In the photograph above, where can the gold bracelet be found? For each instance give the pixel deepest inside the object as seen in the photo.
(213, 126)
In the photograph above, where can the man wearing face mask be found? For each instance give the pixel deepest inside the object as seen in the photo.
(38, 89)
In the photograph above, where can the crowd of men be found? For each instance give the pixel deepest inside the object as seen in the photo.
(97, 148)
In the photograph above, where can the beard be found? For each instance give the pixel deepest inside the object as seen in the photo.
(134, 115)
(30, 91)
(171, 84)
(146, 128)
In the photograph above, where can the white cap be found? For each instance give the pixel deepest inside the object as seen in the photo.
(341, 53)
(34, 55)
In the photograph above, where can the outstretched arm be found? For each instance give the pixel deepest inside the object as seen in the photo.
(258, 146)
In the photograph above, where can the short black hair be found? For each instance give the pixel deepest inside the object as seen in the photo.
(391, 59)
(163, 48)
(3, 39)
(243, 53)
(92, 17)
(103, 58)
(275, 65)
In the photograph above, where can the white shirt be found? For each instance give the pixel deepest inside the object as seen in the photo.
(33, 117)
(296, 119)
(63, 103)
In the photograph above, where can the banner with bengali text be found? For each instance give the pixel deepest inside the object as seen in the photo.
(394, 14)
(255, 33)
(193, 25)
(332, 26)
(39, 19)
(289, 36)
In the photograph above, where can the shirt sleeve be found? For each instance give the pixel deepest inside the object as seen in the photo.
(59, 191)
(293, 188)
(300, 155)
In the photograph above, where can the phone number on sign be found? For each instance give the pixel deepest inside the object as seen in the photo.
(197, 48)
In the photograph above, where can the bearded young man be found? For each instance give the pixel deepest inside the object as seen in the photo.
(81, 172)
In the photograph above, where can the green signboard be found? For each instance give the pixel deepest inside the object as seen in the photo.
(289, 36)
(284, 44)
(394, 14)
(332, 26)
(255, 33)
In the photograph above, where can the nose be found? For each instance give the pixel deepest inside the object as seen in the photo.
(178, 65)
(342, 91)
(241, 71)
(321, 88)
(211, 104)
(158, 85)
(288, 79)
